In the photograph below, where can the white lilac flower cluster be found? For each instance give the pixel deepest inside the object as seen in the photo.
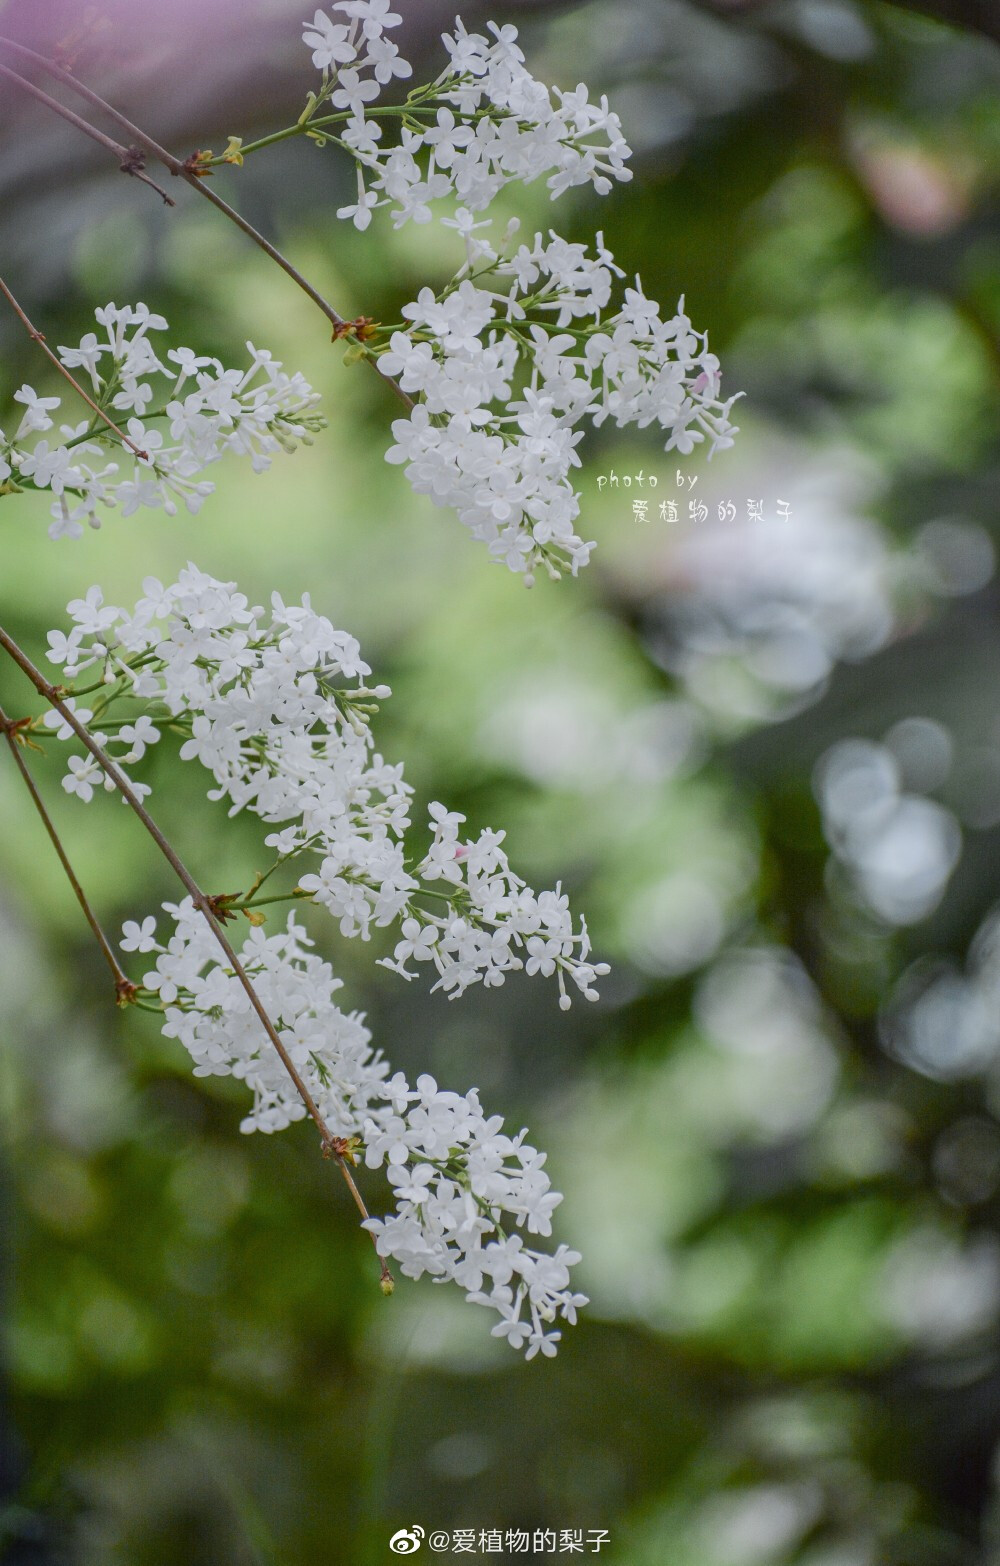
(484, 123)
(462, 1188)
(206, 410)
(510, 362)
(501, 364)
(261, 702)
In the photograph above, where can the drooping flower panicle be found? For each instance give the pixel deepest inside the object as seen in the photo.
(508, 362)
(183, 410)
(486, 121)
(276, 707)
(510, 366)
(465, 1193)
(263, 703)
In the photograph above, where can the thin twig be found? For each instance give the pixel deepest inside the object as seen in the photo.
(183, 170)
(333, 1146)
(39, 338)
(128, 161)
(124, 988)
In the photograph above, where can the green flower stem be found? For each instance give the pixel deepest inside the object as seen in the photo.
(304, 127)
(247, 903)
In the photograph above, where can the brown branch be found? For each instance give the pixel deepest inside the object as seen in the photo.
(184, 170)
(130, 159)
(39, 338)
(332, 1146)
(124, 988)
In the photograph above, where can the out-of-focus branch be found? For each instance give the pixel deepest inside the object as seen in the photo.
(130, 159)
(188, 169)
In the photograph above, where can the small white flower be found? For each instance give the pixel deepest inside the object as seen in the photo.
(361, 211)
(212, 410)
(374, 15)
(329, 42)
(83, 774)
(138, 736)
(139, 937)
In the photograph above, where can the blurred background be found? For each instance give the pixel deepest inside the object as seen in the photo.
(761, 748)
